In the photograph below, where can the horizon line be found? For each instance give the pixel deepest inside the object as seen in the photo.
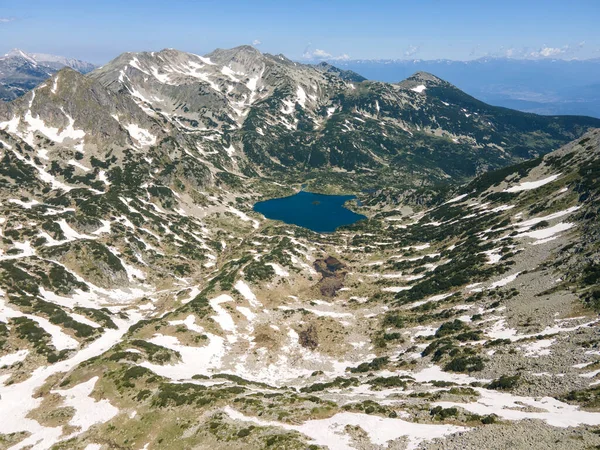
(332, 60)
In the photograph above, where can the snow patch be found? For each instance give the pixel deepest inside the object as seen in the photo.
(13, 358)
(279, 271)
(512, 407)
(332, 433)
(528, 185)
(142, 136)
(88, 411)
(247, 293)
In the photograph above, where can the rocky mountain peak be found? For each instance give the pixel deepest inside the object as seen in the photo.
(347, 75)
(239, 52)
(18, 53)
(243, 59)
(426, 77)
(420, 81)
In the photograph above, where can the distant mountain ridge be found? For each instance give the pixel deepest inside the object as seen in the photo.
(250, 113)
(54, 61)
(542, 86)
(21, 71)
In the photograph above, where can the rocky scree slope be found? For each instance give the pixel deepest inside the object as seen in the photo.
(449, 326)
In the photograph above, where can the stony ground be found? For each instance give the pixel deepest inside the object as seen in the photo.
(463, 325)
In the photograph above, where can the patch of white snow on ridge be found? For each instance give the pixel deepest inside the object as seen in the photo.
(456, 199)
(77, 164)
(279, 271)
(538, 348)
(556, 215)
(499, 330)
(512, 407)
(11, 126)
(301, 96)
(102, 177)
(528, 185)
(230, 150)
(332, 433)
(68, 132)
(144, 137)
(244, 216)
(105, 228)
(504, 281)
(60, 340)
(70, 233)
(84, 320)
(22, 204)
(419, 89)
(55, 85)
(194, 360)
(223, 318)
(227, 71)
(189, 322)
(396, 289)
(547, 233)
(93, 447)
(12, 358)
(252, 82)
(493, 255)
(88, 411)
(247, 293)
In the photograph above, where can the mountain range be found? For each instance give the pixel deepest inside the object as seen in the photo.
(145, 305)
(20, 71)
(543, 86)
(294, 120)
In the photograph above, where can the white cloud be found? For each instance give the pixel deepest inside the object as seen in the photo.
(545, 51)
(553, 52)
(550, 51)
(322, 54)
(412, 50)
(6, 19)
(256, 42)
(342, 57)
(318, 53)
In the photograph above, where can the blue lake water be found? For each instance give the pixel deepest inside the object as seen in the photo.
(317, 212)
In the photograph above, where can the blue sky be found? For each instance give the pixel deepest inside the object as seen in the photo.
(100, 30)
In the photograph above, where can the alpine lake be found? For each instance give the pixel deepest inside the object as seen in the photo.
(317, 212)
